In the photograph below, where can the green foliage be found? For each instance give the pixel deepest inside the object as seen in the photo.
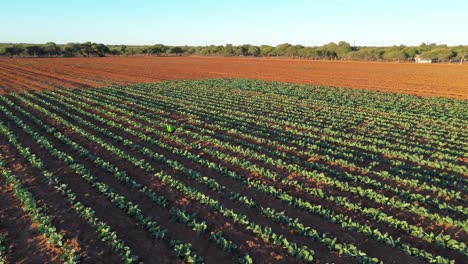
(253, 51)
(188, 219)
(266, 51)
(37, 214)
(380, 171)
(157, 49)
(170, 128)
(175, 50)
(185, 252)
(395, 55)
(366, 53)
(441, 54)
(246, 259)
(331, 51)
(228, 50)
(282, 49)
(222, 242)
(3, 248)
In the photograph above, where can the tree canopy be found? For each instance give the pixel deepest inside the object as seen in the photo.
(331, 51)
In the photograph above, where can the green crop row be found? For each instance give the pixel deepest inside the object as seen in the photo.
(375, 214)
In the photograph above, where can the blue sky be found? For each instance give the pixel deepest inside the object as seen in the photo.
(203, 22)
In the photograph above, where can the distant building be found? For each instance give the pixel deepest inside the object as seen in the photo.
(419, 59)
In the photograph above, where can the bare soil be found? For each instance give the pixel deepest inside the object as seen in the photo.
(435, 80)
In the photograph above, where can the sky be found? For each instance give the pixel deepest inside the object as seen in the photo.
(218, 22)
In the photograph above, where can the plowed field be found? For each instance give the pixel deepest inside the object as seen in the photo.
(424, 80)
(255, 172)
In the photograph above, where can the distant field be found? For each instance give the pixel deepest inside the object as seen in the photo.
(255, 172)
(439, 80)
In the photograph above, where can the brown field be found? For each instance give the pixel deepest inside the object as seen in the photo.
(439, 80)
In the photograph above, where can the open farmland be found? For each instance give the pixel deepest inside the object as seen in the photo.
(255, 172)
(439, 80)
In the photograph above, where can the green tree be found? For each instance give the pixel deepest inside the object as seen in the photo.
(114, 51)
(253, 51)
(281, 49)
(343, 49)
(157, 49)
(175, 50)
(244, 50)
(228, 50)
(462, 53)
(86, 49)
(34, 50)
(204, 51)
(123, 49)
(266, 50)
(366, 53)
(100, 49)
(71, 49)
(440, 54)
(51, 49)
(395, 55)
(411, 52)
(216, 50)
(14, 50)
(329, 51)
(189, 50)
(293, 51)
(307, 52)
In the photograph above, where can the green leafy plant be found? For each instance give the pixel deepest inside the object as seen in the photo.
(170, 128)
(246, 259)
(3, 248)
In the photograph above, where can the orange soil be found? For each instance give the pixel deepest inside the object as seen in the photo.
(442, 80)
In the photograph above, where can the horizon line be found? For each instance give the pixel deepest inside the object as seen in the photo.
(206, 45)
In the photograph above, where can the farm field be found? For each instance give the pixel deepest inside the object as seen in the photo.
(440, 80)
(255, 171)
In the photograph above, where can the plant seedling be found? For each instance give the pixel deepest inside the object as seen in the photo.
(170, 128)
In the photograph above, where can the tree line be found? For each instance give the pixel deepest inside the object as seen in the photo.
(332, 51)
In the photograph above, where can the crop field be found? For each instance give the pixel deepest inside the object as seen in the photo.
(436, 80)
(253, 172)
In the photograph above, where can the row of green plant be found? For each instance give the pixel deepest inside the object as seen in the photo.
(373, 213)
(279, 162)
(403, 224)
(190, 220)
(242, 124)
(209, 182)
(215, 185)
(144, 124)
(322, 118)
(159, 200)
(185, 252)
(38, 215)
(198, 130)
(103, 230)
(200, 227)
(132, 210)
(120, 201)
(293, 249)
(231, 117)
(351, 139)
(298, 125)
(331, 116)
(395, 105)
(3, 249)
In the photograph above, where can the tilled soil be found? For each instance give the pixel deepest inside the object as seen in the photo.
(435, 80)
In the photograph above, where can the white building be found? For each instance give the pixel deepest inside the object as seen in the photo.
(418, 59)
